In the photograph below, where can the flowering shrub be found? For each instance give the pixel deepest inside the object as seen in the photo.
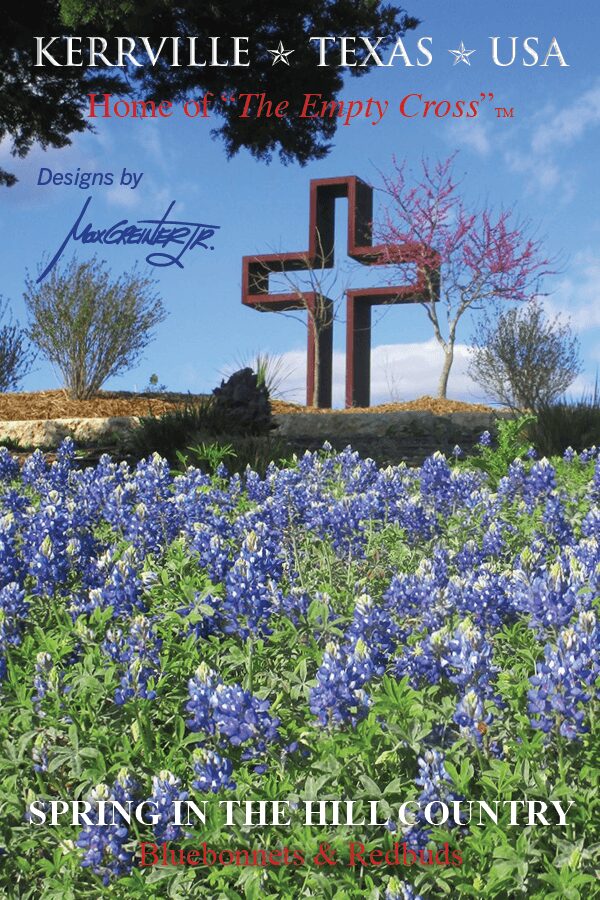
(332, 630)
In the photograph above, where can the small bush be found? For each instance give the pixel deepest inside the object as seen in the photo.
(523, 359)
(565, 424)
(16, 356)
(171, 432)
(89, 327)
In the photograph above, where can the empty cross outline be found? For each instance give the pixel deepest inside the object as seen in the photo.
(359, 301)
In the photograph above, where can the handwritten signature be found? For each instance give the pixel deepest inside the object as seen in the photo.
(164, 232)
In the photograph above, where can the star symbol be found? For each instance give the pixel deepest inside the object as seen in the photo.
(462, 54)
(280, 55)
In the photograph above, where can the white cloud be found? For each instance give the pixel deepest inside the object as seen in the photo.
(567, 125)
(120, 195)
(557, 129)
(470, 133)
(398, 372)
(578, 293)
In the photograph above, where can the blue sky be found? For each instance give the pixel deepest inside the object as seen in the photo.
(543, 162)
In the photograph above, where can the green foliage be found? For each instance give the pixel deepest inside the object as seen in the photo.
(212, 455)
(172, 432)
(511, 443)
(40, 105)
(194, 435)
(232, 426)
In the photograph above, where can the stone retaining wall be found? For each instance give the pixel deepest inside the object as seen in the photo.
(408, 435)
(387, 437)
(48, 433)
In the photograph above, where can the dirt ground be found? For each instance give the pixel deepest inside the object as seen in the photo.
(57, 405)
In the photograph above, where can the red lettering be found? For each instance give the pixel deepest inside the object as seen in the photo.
(150, 849)
(356, 854)
(403, 106)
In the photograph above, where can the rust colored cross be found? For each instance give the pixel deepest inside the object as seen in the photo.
(359, 301)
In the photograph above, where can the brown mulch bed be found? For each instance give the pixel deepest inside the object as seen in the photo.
(57, 405)
(424, 404)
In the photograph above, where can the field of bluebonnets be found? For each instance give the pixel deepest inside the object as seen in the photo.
(332, 630)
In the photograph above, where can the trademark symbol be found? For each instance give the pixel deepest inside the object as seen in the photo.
(503, 113)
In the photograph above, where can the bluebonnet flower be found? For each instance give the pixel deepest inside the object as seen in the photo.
(494, 541)
(374, 624)
(45, 542)
(137, 655)
(13, 612)
(46, 679)
(485, 439)
(512, 484)
(423, 661)
(469, 557)
(104, 845)
(213, 772)
(419, 591)
(39, 754)
(540, 482)
(484, 595)
(251, 592)
(212, 547)
(435, 784)
(400, 890)
(436, 480)
(9, 466)
(339, 696)
(295, 604)
(594, 487)
(165, 792)
(468, 657)
(463, 657)
(563, 682)
(123, 589)
(432, 778)
(240, 717)
(471, 716)
(201, 688)
(590, 527)
(34, 470)
(229, 712)
(556, 520)
(550, 597)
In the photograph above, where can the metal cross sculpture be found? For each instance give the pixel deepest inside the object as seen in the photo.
(320, 255)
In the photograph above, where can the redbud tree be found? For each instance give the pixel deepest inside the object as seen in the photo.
(483, 256)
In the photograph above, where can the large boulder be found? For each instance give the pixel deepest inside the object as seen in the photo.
(241, 405)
